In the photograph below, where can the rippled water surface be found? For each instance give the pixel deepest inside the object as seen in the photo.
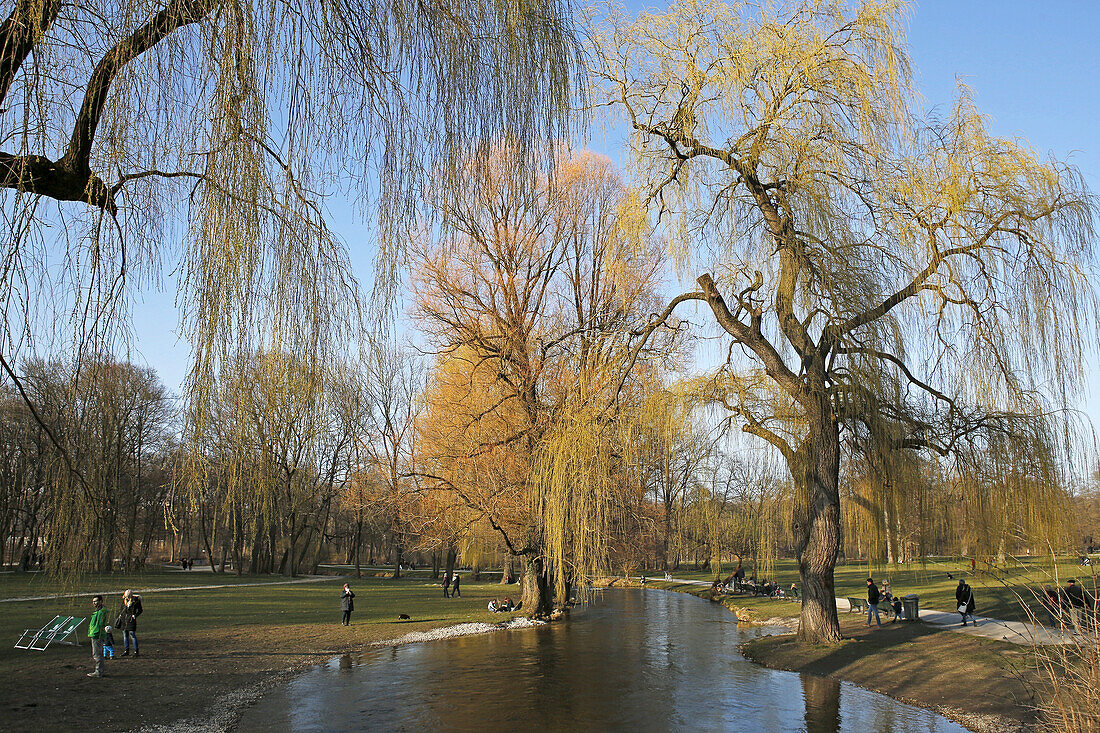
(632, 661)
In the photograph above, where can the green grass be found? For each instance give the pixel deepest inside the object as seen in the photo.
(178, 614)
(997, 590)
(198, 645)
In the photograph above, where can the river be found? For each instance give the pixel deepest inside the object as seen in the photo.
(633, 660)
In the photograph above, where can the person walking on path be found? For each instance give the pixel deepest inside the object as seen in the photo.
(447, 585)
(964, 596)
(347, 605)
(872, 602)
(1080, 602)
(127, 621)
(455, 590)
(96, 633)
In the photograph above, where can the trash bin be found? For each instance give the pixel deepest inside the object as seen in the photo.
(910, 610)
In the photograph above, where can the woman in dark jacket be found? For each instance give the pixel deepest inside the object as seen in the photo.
(131, 609)
(347, 605)
(964, 597)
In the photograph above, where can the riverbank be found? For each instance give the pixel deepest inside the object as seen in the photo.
(988, 686)
(206, 653)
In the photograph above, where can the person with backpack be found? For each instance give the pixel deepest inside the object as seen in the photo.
(964, 597)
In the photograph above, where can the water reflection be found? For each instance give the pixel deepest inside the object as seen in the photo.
(822, 698)
(634, 661)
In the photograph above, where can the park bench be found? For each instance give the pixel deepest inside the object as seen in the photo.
(856, 604)
(56, 631)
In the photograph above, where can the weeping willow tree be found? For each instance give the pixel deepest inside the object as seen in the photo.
(205, 136)
(851, 241)
(1004, 475)
(537, 289)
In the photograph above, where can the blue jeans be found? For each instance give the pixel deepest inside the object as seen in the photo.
(127, 637)
(873, 608)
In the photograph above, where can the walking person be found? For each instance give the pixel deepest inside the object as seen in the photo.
(96, 632)
(872, 602)
(964, 596)
(446, 585)
(1080, 602)
(455, 591)
(347, 605)
(127, 621)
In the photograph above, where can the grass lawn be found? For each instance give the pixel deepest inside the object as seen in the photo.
(198, 645)
(998, 591)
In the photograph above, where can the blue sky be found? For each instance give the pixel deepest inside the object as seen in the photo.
(1031, 66)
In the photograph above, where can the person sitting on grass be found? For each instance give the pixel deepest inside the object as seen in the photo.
(506, 605)
(494, 606)
(873, 598)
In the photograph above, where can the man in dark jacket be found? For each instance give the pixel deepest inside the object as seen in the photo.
(1080, 603)
(347, 604)
(964, 597)
(872, 601)
(1078, 596)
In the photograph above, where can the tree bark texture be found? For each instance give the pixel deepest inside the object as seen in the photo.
(536, 598)
(816, 473)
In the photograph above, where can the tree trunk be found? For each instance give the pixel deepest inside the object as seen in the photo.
(888, 520)
(816, 472)
(536, 597)
(358, 544)
(449, 573)
(508, 573)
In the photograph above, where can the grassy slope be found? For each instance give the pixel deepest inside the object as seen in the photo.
(198, 645)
